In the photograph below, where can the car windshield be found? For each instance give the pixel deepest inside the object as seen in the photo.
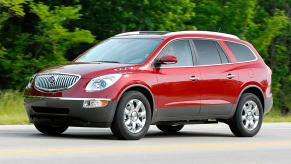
(121, 50)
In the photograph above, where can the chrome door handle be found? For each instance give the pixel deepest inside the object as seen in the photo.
(230, 76)
(194, 78)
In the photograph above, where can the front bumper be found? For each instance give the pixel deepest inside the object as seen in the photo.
(69, 111)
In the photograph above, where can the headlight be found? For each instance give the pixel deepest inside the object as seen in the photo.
(30, 81)
(102, 82)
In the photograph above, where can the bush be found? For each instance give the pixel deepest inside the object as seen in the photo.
(12, 108)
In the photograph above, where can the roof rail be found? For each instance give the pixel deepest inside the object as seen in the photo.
(203, 32)
(143, 33)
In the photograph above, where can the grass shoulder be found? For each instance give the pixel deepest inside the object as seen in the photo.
(277, 118)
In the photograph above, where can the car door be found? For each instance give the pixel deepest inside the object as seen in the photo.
(178, 93)
(219, 78)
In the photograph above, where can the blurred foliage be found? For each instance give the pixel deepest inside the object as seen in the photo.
(12, 108)
(35, 39)
(36, 34)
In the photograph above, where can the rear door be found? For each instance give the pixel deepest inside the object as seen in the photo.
(219, 78)
(178, 89)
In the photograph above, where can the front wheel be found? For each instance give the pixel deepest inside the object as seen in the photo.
(49, 129)
(248, 118)
(133, 116)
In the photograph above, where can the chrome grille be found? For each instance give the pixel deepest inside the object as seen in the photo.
(55, 81)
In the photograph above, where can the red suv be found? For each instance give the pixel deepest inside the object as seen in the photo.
(168, 79)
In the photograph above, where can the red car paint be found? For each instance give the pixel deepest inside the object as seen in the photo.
(171, 87)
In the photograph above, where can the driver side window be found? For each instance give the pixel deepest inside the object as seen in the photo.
(181, 50)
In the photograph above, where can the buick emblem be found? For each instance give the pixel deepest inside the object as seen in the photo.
(52, 80)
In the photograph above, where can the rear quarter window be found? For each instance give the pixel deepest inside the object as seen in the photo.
(241, 52)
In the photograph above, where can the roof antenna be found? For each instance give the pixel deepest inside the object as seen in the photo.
(219, 29)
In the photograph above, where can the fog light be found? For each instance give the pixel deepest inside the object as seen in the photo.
(94, 103)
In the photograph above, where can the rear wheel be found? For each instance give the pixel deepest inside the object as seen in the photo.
(51, 129)
(248, 118)
(170, 128)
(133, 116)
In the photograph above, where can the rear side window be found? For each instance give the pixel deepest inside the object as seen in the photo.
(241, 52)
(181, 49)
(209, 52)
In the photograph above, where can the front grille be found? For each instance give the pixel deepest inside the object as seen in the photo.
(55, 81)
(48, 110)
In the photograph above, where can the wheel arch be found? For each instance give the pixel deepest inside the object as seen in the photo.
(144, 90)
(256, 90)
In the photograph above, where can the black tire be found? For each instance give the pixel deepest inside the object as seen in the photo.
(236, 124)
(118, 126)
(170, 128)
(50, 129)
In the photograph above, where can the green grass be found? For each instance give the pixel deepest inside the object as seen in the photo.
(277, 118)
(12, 110)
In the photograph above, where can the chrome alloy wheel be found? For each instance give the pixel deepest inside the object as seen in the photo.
(250, 115)
(134, 115)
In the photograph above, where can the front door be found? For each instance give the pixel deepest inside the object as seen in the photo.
(178, 90)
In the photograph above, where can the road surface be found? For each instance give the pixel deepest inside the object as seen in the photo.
(212, 143)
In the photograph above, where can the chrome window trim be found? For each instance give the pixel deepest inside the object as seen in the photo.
(67, 98)
(158, 53)
(55, 90)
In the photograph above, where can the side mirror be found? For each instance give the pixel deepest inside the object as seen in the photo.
(167, 59)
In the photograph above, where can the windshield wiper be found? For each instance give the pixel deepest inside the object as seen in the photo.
(106, 61)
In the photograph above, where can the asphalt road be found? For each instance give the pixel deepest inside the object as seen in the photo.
(194, 144)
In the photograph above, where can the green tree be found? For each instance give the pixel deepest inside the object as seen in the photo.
(35, 39)
(278, 53)
(36, 34)
(266, 24)
(107, 18)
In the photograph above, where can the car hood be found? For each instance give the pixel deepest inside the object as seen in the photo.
(89, 70)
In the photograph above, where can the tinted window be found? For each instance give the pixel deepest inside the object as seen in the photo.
(223, 57)
(207, 52)
(241, 52)
(180, 49)
(126, 51)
